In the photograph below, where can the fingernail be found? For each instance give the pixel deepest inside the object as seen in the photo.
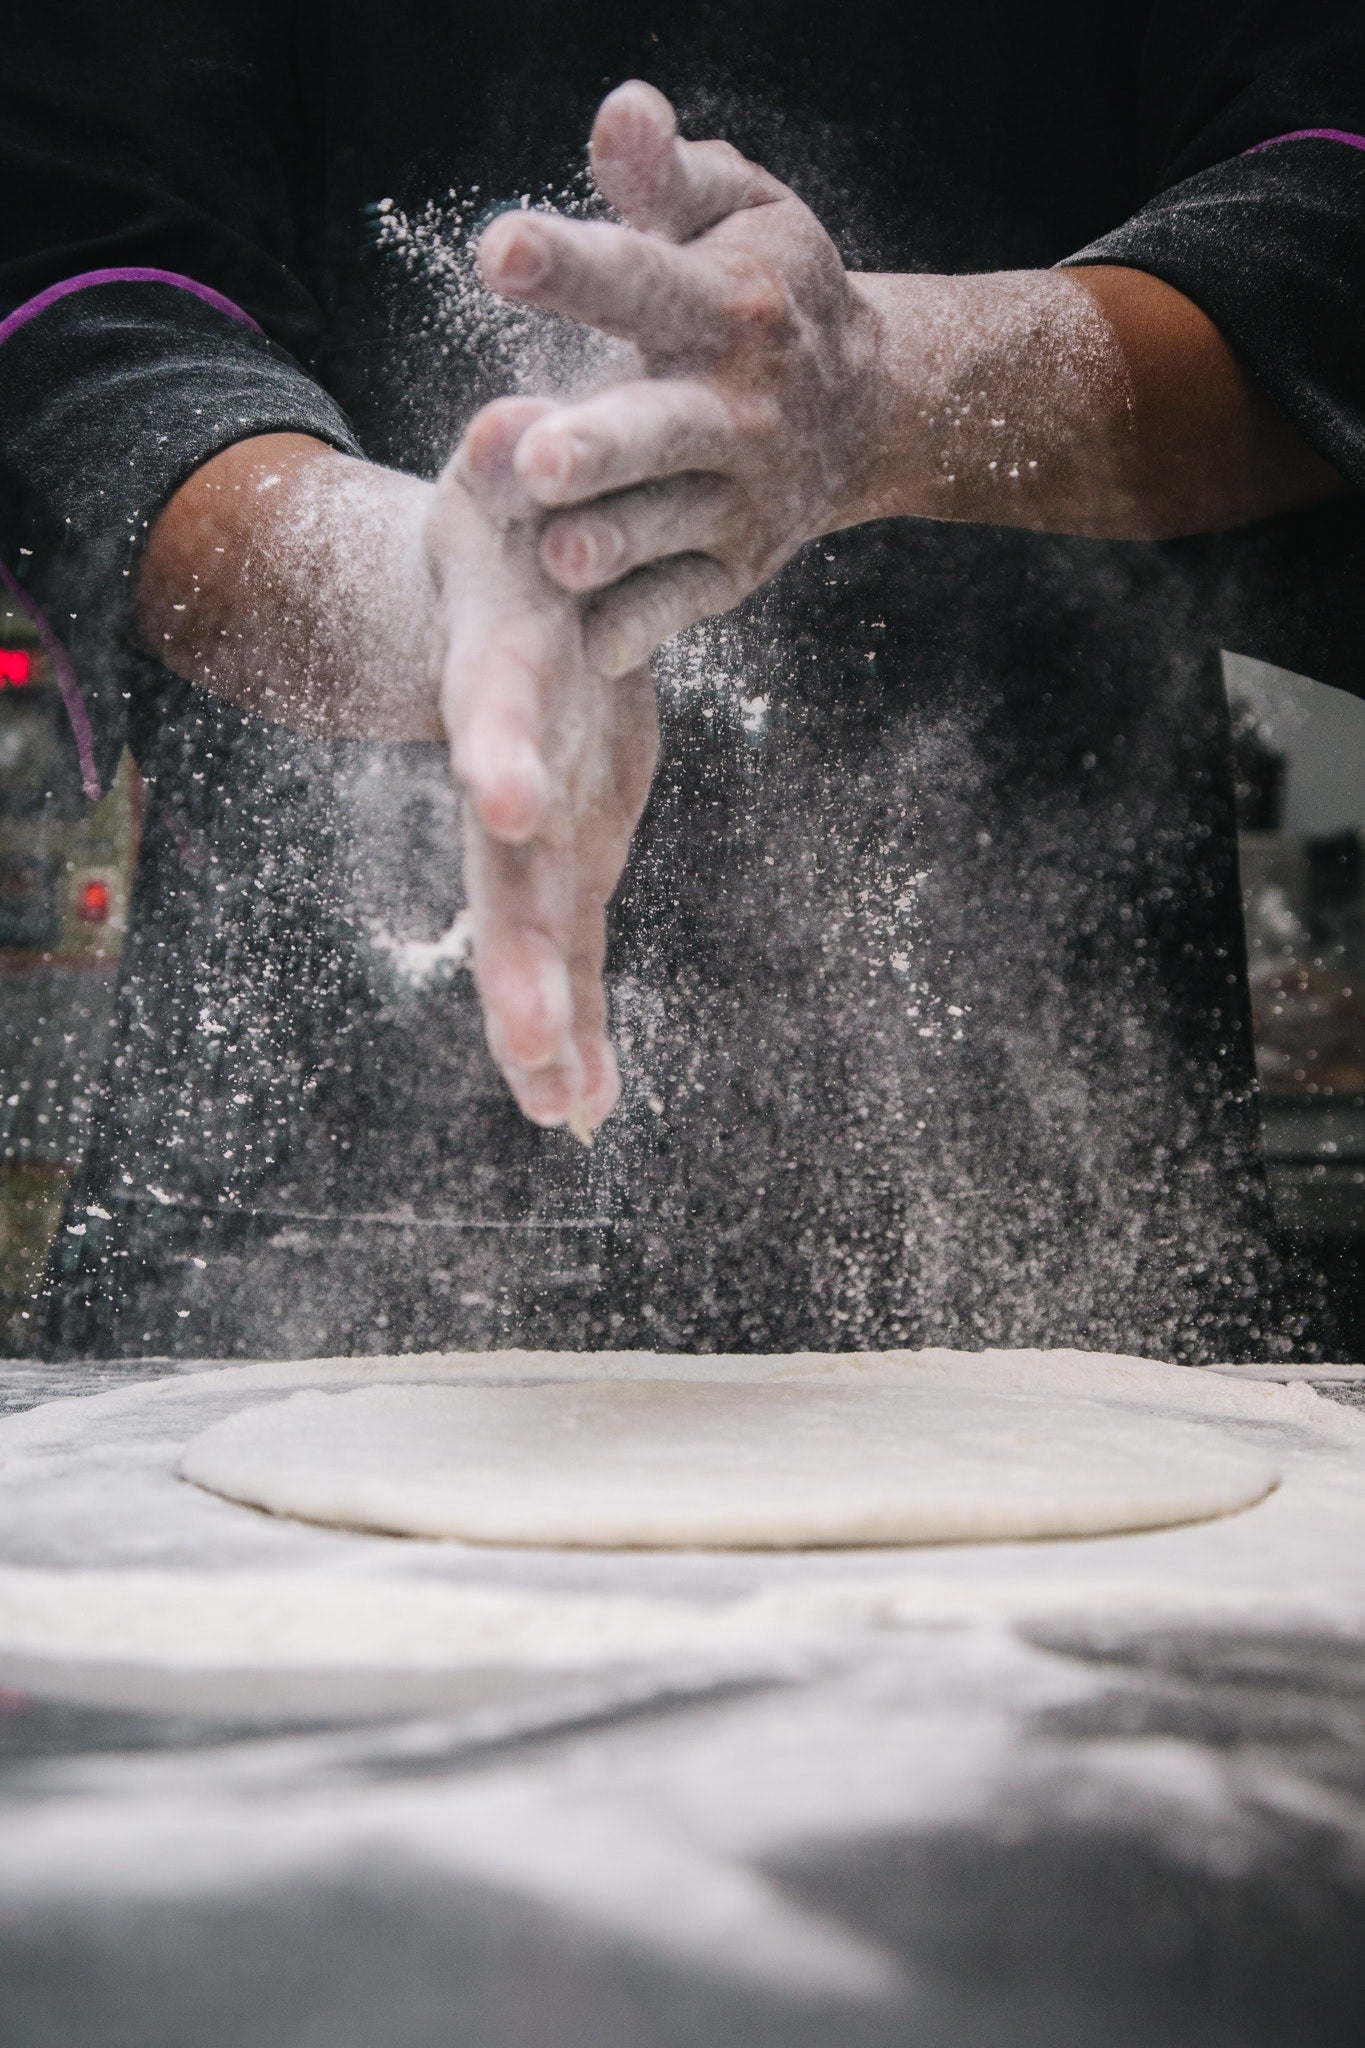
(590, 549)
(551, 457)
(523, 259)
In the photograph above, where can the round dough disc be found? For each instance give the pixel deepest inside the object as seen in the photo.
(674, 1463)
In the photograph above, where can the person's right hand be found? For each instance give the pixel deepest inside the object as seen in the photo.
(671, 495)
(555, 764)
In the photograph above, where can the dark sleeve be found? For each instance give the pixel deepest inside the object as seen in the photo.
(1255, 130)
(155, 301)
(1254, 124)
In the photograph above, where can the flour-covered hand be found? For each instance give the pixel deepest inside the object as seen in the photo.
(671, 496)
(555, 761)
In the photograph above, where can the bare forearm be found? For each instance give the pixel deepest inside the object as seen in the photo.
(1096, 401)
(293, 581)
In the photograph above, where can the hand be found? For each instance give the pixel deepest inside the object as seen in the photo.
(671, 497)
(555, 762)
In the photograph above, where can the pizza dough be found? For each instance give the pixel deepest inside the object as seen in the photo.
(938, 1456)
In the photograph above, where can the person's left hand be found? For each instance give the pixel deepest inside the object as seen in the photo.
(670, 497)
(554, 761)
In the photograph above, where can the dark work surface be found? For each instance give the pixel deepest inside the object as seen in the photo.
(1226, 1908)
(1160, 1844)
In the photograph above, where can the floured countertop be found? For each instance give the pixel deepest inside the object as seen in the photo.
(1106, 1791)
(94, 1515)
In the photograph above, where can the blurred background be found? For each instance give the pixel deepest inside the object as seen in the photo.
(66, 872)
(1300, 750)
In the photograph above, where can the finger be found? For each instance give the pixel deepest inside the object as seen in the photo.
(545, 1009)
(612, 278)
(624, 626)
(518, 993)
(546, 1095)
(483, 462)
(660, 183)
(522, 975)
(634, 754)
(493, 698)
(600, 856)
(539, 925)
(505, 644)
(600, 1091)
(523, 982)
(599, 1086)
(592, 548)
(632, 434)
(548, 1099)
(545, 1021)
(600, 1082)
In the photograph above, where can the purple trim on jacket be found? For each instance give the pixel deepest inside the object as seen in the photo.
(1310, 135)
(52, 646)
(130, 274)
(66, 682)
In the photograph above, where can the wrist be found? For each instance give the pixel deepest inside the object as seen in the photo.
(892, 467)
(998, 398)
(362, 647)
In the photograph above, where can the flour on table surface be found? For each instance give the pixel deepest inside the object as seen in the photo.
(108, 1558)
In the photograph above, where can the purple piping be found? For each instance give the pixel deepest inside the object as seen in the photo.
(1310, 135)
(66, 682)
(130, 274)
(55, 651)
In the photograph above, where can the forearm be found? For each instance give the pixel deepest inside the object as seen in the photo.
(1095, 402)
(294, 582)
(1092, 401)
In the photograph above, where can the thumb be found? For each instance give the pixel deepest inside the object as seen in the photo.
(660, 183)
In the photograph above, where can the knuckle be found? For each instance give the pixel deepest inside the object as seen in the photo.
(759, 302)
(728, 158)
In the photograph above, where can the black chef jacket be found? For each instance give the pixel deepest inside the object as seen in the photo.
(927, 968)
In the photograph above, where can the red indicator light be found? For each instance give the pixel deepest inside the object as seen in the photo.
(92, 902)
(16, 667)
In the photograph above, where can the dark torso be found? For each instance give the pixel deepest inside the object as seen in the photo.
(927, 966)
